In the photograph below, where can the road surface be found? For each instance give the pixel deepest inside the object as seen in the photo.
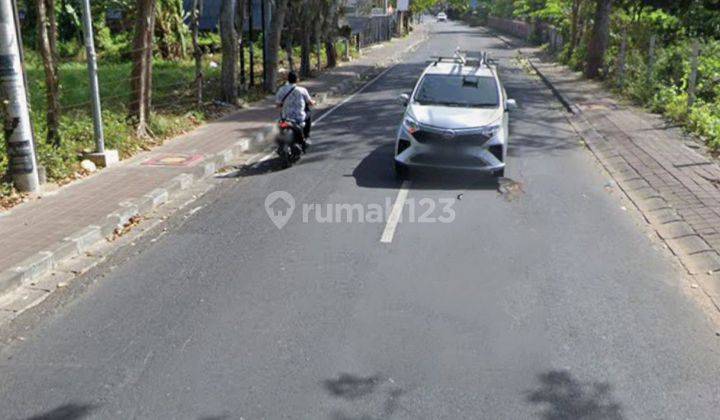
(540, 297)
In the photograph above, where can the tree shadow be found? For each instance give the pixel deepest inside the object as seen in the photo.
(352, 387)
(564, 397)
(65, 412)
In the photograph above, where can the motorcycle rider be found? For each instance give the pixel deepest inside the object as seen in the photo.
(295, 102)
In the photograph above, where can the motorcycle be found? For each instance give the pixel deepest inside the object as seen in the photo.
(290, 142)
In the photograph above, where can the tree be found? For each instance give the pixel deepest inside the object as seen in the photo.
(574, 26)
(229, 40)
(171, 29)
(273, 44)
(306, 37)
(141, 76)
(599, 39)
(330, 30)
(195, 12)
(47, 32)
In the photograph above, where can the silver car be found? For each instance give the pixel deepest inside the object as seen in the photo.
(455, 118)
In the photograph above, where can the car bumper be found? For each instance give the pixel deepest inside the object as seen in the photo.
(484, 157)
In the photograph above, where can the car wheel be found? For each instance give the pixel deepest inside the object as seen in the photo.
(402, 172)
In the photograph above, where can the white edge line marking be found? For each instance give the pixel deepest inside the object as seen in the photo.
(357, 92)
(263, 159)
(395, 214)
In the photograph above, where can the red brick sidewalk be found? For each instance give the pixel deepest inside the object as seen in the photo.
(38, 234)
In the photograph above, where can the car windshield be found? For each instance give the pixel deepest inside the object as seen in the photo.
(455, 90)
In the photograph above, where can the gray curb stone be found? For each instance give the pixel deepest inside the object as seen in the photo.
(662, 216)
(63, 250)
(674, 230)
(687, 245)
(702, 263)
(86, 238)
(37, 265)
(10, 278)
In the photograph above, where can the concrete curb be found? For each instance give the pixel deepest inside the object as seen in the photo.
(565, 101)
(80, 242)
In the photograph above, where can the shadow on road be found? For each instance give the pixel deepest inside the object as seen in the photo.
(65, 412)
(564, 397)
(376, 171)
(352, 387)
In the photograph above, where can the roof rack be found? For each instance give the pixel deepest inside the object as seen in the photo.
(460, 57)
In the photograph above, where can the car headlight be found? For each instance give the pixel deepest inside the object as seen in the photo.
(410, 125)
(490, 130)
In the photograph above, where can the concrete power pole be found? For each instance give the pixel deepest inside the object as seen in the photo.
(21, 150)
(101, 157)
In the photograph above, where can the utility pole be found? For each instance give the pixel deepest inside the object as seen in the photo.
(101, 157)
(21, 151)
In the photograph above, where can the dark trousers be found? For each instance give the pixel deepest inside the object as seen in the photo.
(308, 124)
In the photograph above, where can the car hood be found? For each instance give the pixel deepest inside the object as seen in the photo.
(454, 117)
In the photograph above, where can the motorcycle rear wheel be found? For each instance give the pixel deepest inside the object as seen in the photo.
(284, 154)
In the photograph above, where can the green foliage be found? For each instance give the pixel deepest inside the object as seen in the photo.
(172, 97)
(502, 8)
(664, 87)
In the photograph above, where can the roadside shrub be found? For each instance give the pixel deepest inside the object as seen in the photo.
(704, 119)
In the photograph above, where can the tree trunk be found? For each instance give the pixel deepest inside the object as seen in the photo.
(289, 52)
(229, 38)
(273, 44)
(331, 54)
(318, 38)
(141, 76)
(305, 47)
(240, 26)
(197, 50)
(599, 38)
(47, 31)
(574, 23)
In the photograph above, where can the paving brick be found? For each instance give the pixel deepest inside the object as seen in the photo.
(687, 245)
(644, 193)
(635, 184)
(703, 262)
(710, 284)
(651, 204)
(674, 230)
(661, 216)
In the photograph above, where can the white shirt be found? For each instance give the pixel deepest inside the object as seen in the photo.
(295, 102)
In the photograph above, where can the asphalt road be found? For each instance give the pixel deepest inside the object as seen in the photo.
(542, 298)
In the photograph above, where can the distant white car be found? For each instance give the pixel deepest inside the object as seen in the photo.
(441, 17)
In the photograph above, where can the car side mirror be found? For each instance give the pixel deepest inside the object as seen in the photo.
(510, 104)
(404, 99)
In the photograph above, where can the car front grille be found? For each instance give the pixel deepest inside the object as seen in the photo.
(450, 137)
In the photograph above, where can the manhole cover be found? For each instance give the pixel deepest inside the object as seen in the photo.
(174, 160)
